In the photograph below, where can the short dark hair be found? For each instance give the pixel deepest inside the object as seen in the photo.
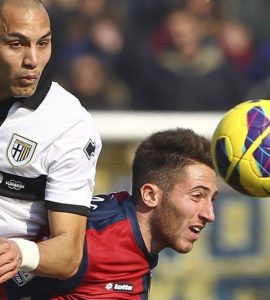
(163, 155)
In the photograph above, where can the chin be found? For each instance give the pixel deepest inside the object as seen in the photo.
(183, 248)
(24, 93)
(184, 251)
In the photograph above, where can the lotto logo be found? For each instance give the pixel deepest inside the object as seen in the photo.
(109, 286)
(120, 287)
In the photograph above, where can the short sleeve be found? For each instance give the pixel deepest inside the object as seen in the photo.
(71, 164)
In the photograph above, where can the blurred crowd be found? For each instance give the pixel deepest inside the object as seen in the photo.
(169, 55)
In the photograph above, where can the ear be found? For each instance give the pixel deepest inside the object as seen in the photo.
(150, 194)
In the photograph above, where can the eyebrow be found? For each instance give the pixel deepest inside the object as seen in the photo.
(208, 189)
(20, 35)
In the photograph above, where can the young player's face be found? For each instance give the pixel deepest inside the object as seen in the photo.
(185, 210)
(25, 49)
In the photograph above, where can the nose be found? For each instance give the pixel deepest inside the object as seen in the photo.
(207, 212)
(30, 58)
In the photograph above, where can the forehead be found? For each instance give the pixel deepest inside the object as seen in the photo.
(199, 175)
(26, 21)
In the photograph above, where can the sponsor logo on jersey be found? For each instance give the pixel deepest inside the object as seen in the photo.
(89, 149)
(14, 185)
(20, 150)
(120, 287)
(109, 286)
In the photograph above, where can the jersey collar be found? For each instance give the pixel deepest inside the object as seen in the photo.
(43, 88)
(32, 102)
(4, 109)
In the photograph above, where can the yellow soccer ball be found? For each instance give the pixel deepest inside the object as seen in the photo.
(241, 148)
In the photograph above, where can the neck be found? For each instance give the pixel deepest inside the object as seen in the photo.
(148, 232)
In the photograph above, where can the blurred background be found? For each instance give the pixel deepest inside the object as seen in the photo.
(144, 65)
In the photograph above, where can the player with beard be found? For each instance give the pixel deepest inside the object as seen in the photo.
(173, 189)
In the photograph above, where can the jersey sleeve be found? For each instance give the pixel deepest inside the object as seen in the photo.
(72, 162)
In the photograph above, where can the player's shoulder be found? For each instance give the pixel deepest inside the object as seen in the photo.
(67, 111)
(107, 209)
(65, 101)
(112, 201)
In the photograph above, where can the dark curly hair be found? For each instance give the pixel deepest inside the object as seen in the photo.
(163, 155)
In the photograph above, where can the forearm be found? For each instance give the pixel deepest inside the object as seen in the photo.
(59, 257)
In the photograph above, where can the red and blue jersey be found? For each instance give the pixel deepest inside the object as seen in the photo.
(116, 264)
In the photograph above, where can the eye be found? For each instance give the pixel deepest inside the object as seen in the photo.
(15, 44)
(214, 197)
(43, 43)
(197, 196)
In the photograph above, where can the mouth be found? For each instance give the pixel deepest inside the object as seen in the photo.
(28, 80)
(29, 77)
(196, 229)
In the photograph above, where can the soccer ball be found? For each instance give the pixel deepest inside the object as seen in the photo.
(241, 148)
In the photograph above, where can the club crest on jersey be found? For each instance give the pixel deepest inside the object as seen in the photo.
(20, 150)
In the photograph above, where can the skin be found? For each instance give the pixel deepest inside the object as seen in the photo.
(171, 219)
(25, 48)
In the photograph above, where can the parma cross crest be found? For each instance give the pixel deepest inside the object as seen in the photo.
(20, 150)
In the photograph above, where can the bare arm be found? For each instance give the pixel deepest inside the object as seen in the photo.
(60, 255)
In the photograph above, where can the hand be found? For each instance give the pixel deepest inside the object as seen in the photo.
(10, 259)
